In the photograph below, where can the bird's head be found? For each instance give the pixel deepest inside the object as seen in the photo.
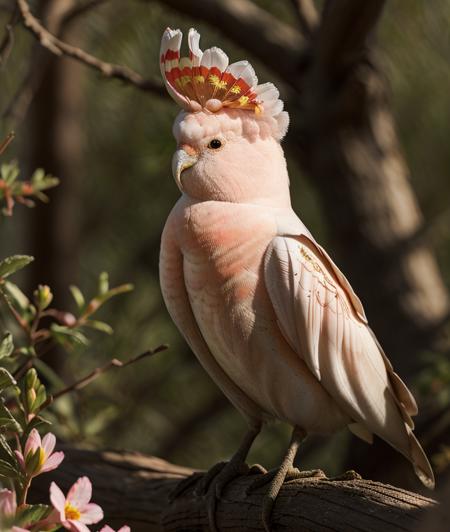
(229, 131)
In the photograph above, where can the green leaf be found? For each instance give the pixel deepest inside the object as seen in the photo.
(42, 181)
(32, 513)
(6, 450)
(99, 326)
(16, 295)
(7, 420)
(78, 296)
(28, 351)
(36, 422)
(66, 335)
(9, 172)
(99, 300)
(41, 397)
(103, 283)
(7, 470)
(6, 345)
(6, 379)
(122, 289)
(14, 263)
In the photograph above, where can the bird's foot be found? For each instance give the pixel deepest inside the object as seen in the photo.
(214, 482)
(292, 474)
(210, 485)
(347, 475)
(184, 485)
(276, 478)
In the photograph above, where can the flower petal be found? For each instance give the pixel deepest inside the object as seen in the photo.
(48, 443)
(107, 528)
(80, 493)
(53, 462)
(20, 459)
(75, 526)
(92, 513)
(58, 500)
(33, 442)
(8, 503)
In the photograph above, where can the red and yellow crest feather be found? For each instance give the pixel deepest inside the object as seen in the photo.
(206, 80)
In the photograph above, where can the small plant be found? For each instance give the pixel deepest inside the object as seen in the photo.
(36, 328)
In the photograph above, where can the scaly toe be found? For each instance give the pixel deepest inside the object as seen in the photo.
(348, 475)
(296, 474)
(215, 482)
(227, 475)
(184, 485)
(257, 469)
(202, 487)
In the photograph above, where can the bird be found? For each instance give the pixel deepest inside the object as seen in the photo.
(262, 305)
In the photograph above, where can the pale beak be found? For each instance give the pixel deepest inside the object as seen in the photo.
(180, 161)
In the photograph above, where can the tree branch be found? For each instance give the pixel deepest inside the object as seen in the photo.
(308, 16)
(58, 47)
(7, 42)
(134, 489)
(344, 31)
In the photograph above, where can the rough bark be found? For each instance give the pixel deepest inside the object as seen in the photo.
(135, 489)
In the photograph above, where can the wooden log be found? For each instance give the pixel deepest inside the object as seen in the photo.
(134, 489)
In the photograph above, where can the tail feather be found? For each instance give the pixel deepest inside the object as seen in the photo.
(420, 462)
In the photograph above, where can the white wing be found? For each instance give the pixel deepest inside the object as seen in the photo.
(324, 322)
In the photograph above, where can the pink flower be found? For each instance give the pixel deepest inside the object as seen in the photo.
(8, 504)
(107, 528)
(75, 510)
(8, 507)
(46, 460)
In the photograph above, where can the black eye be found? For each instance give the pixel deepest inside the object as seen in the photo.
(214, 144)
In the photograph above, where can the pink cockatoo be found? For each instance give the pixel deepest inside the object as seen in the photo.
(269, 315)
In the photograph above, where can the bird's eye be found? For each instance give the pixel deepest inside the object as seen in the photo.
(214, 144)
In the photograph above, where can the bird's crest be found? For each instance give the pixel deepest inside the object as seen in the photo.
(205, 80)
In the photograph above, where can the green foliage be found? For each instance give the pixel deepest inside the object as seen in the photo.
(24, 396)
(12, 264)
(12, 189)
(6, 345)
(32, 513)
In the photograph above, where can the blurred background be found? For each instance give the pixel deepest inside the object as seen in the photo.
(369, 161)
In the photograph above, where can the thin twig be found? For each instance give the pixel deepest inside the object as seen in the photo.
(8, 40)
(22, 323)
(308, 16)
(60, 48)
(5, 143)
(114, 363)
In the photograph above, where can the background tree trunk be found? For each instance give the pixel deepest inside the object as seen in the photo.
(55, 144)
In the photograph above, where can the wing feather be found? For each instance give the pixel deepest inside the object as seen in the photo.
(324, 322)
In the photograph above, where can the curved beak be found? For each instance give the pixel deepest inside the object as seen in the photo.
(180, 161)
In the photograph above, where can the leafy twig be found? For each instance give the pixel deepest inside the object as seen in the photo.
(7, 141)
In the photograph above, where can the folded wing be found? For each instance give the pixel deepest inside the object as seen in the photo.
(324, 322)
